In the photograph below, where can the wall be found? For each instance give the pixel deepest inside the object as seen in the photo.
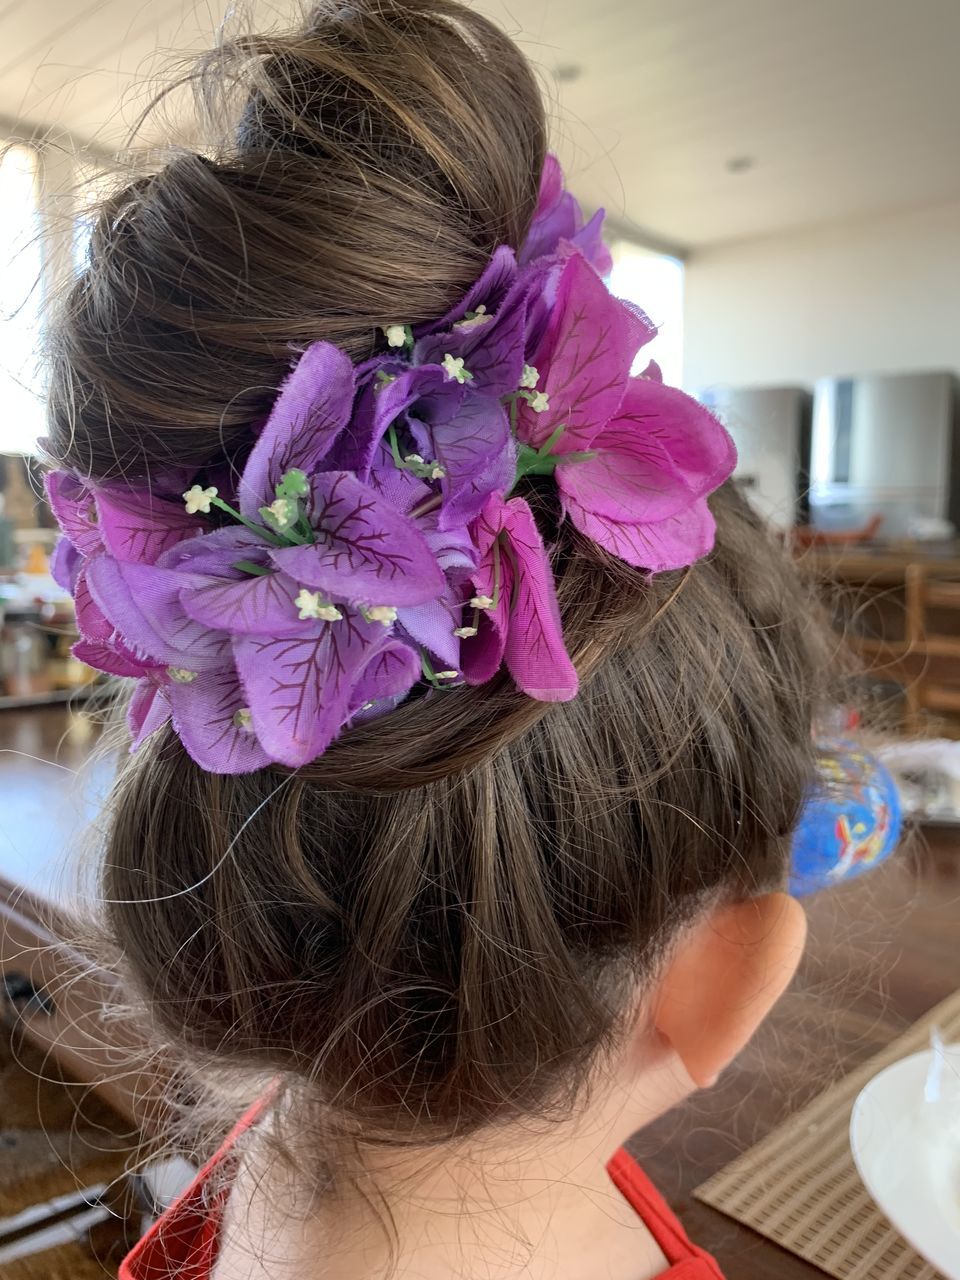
(861, 297)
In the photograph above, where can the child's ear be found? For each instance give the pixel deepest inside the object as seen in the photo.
(728, 972)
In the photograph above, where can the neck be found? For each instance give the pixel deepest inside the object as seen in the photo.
(522, 1203)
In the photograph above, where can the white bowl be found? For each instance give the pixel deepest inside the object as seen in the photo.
(907, 1151)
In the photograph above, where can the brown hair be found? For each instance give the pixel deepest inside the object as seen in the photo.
(441, 922)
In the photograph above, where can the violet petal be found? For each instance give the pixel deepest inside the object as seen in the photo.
(299, 689)
(365, 551)
(313, 407)
(138, 527)
(205, 716)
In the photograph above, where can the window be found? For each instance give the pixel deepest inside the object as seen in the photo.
(654, 281)
(21, 269)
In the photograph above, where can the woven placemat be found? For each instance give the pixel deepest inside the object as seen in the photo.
(800, 1188)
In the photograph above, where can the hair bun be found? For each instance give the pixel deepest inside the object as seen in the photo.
(360, 170)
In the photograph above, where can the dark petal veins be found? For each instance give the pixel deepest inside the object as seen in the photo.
(204, 717)
(365, 551)
(313, 407)
(299, 689)
(535, 653)
(254, 606)
(72, 502)
(138, 528)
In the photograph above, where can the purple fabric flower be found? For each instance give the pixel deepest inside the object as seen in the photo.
(519, 619)
(558, 217)
(375, 539)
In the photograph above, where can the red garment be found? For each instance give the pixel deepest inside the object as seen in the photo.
(183, 1242)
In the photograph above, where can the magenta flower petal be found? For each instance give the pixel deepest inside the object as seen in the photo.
(91, 623)
(113, 658)
(138, 527)
(143, 603)
(299, 690)
(65, 563)
(699, 446)
(73, 503)
(208, 717)
(366, 551)
(148, 711)
(535, 654)
(584, 360)
(673, 543)
(312, 409)
(661, 451)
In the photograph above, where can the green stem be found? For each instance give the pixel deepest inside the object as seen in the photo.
(552, 439)
(258, 529)
(395, 449)
(257, 570)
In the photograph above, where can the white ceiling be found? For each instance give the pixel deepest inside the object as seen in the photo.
(845, 107)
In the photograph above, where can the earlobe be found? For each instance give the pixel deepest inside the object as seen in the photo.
(727, 973)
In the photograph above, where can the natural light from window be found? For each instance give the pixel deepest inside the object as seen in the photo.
(21, 264)
(654, 281)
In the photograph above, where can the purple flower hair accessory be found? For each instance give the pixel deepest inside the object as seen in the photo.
(378, 540)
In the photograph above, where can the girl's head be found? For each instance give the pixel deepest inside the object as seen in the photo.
(457, 912)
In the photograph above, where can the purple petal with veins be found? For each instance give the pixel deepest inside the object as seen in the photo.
(490, 290)
(72, 502)
(143, 603)
(365, 551)
(385, 680)
(477, 452)
(205, 716)
(299, 690)
(217, 552)
(584, 361)
(138, 527)
(258, 606)
(400, 489)
(491, 348)
(312, 409)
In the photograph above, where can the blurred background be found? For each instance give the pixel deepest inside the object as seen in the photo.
(782, 185)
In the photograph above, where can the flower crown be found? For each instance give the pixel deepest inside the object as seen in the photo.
(378, 538)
